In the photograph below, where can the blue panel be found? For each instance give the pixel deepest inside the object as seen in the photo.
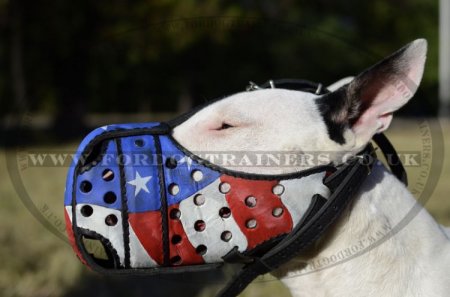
(141, 165)
(100, 186)
(87, 140)
(181, 175)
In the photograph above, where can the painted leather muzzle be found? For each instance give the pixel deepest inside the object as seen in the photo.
(136, 199)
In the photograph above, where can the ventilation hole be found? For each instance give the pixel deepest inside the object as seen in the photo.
(139, 142)
(86, 210)
(250, 201)
(225, 212)
(199, 199)
(201, 249)
(174, 189)
(226, 236)
(111, 220)
(175, 214)
(110, 197)
(224, 188)
(108, 175)
(171, 163)
(176, 260)
(251, 224)
(199, 226)
(278, 189)
(277, 212)
(85, 186)
(197, 175)
(176, 239)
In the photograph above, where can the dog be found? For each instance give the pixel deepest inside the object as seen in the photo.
(413, 262)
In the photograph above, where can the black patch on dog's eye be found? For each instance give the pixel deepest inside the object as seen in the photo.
(338, 111)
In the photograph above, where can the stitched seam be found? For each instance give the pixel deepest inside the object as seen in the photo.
(164, 207)
(124, 208)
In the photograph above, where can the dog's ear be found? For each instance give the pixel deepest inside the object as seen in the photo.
(366, 103)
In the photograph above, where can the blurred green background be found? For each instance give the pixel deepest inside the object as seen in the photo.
(69, 66)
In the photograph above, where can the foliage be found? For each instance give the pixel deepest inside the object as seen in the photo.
(119, 56)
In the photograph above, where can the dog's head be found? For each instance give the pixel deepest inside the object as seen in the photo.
(342, 121)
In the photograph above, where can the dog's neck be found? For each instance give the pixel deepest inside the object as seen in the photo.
(406, 264)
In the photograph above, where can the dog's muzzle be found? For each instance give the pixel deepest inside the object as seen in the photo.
(138, 202)
(151, 203)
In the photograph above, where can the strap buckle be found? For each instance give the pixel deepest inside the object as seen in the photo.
(253, 86)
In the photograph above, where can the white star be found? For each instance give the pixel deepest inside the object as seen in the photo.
(140, 183)
(104, 128)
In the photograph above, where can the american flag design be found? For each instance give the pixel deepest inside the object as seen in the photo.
(208, 212)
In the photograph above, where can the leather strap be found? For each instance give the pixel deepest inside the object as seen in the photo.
(317, 220)
(393, 160)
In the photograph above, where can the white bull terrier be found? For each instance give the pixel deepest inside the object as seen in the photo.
(413, 262)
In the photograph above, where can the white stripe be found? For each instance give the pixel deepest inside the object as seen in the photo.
(69, 212)
(96, 222)
(138, 255)
(298, 193)
(215, 225)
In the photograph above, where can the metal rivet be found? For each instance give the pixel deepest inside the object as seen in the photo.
(108, 175)
(199, 225)
(174, 189)
(86, 210)
(278, 189)
(277, 211)
(175, 214)
(251, 224)
(224, 188)
(111, 220)
(250, 201)
(199, 199)
(224, 212)
(197, 175)
(226, 236)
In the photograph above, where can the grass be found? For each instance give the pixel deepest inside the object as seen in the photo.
(37, 263)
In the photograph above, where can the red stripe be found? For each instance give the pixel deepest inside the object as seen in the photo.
(184, 248)
(148, 229)
(268, 226)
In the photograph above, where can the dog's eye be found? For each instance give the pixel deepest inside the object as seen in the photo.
(224, 126)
